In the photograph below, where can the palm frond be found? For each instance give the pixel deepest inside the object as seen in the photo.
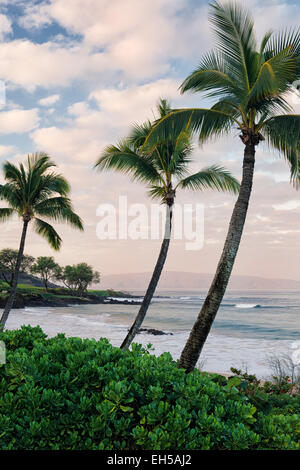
(123, 159)
(12, 194)
(233, 27)
(271, 107)
(230, 106)
(210, 76)
(275, 77)
(289, 38)
(39, 162)
(53, 183)
(157, 192)
(283, 134)
(138, 134)
(180, 155)
(6, 213)
(12, 174)
(208, 122)
(59, 209)
(48, 232)
(263, 45)
(213, 177)
(163, 107)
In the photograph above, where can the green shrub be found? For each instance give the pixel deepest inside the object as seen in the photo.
(70, 393)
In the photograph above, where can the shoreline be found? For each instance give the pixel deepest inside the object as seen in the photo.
(38, 300)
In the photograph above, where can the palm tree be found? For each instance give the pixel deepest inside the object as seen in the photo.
(164, 170)
(250, 85)
(32, 191)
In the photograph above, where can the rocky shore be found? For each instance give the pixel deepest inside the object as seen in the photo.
(38, 300)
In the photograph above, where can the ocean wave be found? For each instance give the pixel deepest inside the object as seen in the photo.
(247, 306)
(39, 311)
(256, 306)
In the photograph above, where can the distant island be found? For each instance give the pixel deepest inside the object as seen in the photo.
(173, 280)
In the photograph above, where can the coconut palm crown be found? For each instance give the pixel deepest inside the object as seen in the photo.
(34, 192)
(251, 85)
(163, 168)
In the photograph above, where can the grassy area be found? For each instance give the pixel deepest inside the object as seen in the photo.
(60, 292)
(107, 293)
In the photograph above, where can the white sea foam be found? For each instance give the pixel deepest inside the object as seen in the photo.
(247, 305)
(122, 299)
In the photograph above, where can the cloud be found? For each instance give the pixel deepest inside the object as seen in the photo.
(287, 206)
(18, 121)
(273, 15)
(137, 39)
(49, 64)
(49, 100)
(5, 26)
(88, 130)
(135, 103)
(131, 40)
(6, 150)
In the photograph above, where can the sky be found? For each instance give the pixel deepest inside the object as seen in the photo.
(79, 73)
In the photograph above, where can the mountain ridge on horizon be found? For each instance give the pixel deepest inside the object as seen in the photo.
(177, 280)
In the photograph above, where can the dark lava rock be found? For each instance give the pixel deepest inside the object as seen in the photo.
(153, 331)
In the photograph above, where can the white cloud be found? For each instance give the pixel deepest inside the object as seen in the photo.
(5, 26)
(74, 143)
(49, 64)
(18, 121)
(137, 39)
(287, 206)
(135, 103)
(6, 150)
(273, 15)
(88, 130)
(49, 100)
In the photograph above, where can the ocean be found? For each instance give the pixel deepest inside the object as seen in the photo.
(249, 329)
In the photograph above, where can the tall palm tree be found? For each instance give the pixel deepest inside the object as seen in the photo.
(164, 169)
(251, 86)
(32, 191)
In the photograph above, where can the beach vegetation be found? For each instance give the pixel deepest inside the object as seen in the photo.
(8, 262)
(46, 268)
(77, 277)
(70, 393)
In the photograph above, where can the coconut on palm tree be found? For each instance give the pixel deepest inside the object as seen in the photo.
(32, 191)
(250, 85)
(165, 170)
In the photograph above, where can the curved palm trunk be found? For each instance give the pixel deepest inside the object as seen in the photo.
(202, 326)
(14, 284)
(153, 283)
